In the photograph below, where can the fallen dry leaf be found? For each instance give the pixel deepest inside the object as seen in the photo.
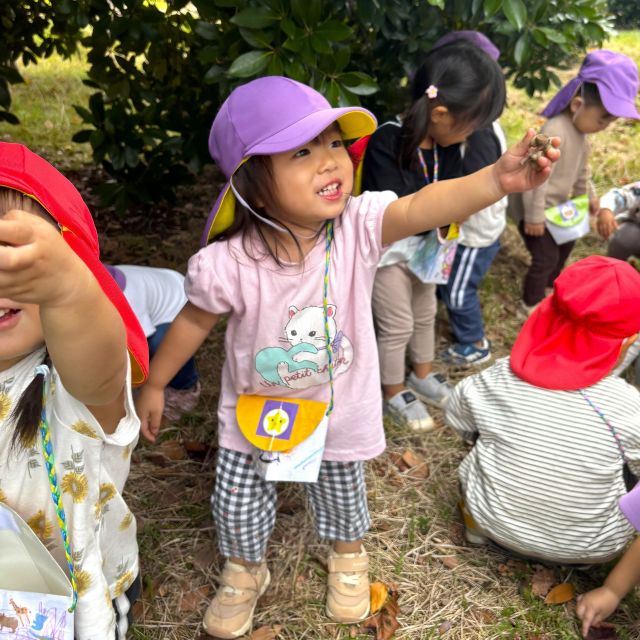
(193, 600)
(542, 580)
(602, 631)
(451, 562)
(384, 623)
(166, 451)
(198, 450)
(444, 627)
(560, 594)
(267, 633)
(378, 593)
(412, 465)
(204, 557)
(486, 616)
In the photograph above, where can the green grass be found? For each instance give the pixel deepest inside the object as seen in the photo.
(44, 105)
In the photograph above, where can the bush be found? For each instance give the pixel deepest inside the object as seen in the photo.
(626, 13)
(160, 70)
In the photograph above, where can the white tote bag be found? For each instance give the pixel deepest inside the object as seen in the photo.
(35, 594)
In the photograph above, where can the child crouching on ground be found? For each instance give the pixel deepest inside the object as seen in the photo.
(546, 471)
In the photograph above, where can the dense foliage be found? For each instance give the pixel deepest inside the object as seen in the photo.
(160, 69)
(626, 13)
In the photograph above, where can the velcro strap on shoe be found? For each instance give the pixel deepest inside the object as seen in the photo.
(244, 581)
(338, 564)
(349, 587)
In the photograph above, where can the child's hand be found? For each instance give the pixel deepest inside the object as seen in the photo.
(149, 407)
(513, 172)
(596, 606)
(606, 223)
(534, 229)
(36, 264)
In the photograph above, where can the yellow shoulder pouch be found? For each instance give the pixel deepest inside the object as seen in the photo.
(278, 424)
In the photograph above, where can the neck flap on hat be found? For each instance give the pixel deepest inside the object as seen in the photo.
(562, 99)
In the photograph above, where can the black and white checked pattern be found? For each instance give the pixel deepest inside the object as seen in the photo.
(244, 505)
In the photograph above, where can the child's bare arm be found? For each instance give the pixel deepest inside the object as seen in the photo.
(449, 201)
(187, 332)
(83, 331)
(599, 604)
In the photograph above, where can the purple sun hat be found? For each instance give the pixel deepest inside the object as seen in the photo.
(266, 116)
(475, 37)
(616, 77)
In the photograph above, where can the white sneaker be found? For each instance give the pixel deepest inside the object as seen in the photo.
(434, 389)
(406, 407)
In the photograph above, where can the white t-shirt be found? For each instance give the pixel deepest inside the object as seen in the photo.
(92, 468)
(155, 295)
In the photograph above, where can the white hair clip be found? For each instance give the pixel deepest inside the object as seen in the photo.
(432, 91)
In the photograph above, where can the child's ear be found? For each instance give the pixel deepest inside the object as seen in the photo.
(576, 103)
(438, 114)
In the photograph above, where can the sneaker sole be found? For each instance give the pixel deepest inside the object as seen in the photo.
(466, 364)
(349, 620)
(243, 630)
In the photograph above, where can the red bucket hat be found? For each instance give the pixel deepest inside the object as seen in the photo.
(573, 339)
(24, 171)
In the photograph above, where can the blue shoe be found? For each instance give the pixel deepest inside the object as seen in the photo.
(467, 355)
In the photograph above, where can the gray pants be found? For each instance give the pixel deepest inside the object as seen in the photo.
(404, 309)
(244, 505)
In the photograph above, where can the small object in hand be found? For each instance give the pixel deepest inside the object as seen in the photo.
(538, 147)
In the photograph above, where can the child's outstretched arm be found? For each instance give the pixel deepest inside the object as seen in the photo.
(449, 201)
(185, 335)
(83, 331)
(597, 605)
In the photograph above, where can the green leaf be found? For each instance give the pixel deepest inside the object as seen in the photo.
(249, 64)
(206, 31)
(491, 7)
(334, 30)
(437, 3)
(359, 83)
(553, 35)
(521, 51)
(82, 136)
(257, 39)
(515, 12)
(254, 18)
(319, 44)
(214, 74)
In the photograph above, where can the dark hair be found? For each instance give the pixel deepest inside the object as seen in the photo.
(26, 413)
(254, 181)
(470, 85)
(590, 94)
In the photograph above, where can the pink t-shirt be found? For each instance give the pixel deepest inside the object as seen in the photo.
(275, 339)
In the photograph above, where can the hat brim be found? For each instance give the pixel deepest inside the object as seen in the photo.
(550, 351)
(136, 340)
(354, 122)
(617, 107)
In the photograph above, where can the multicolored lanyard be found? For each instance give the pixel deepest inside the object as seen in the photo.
(425, 169)
(325, 307)
(54, 487)
(612, 429)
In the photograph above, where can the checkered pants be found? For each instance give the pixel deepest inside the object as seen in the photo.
(244, 505)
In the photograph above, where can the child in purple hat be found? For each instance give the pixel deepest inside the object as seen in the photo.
(553, 216)
(289, 260)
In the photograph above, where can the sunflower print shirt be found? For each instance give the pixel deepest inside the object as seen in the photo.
(92, 468)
